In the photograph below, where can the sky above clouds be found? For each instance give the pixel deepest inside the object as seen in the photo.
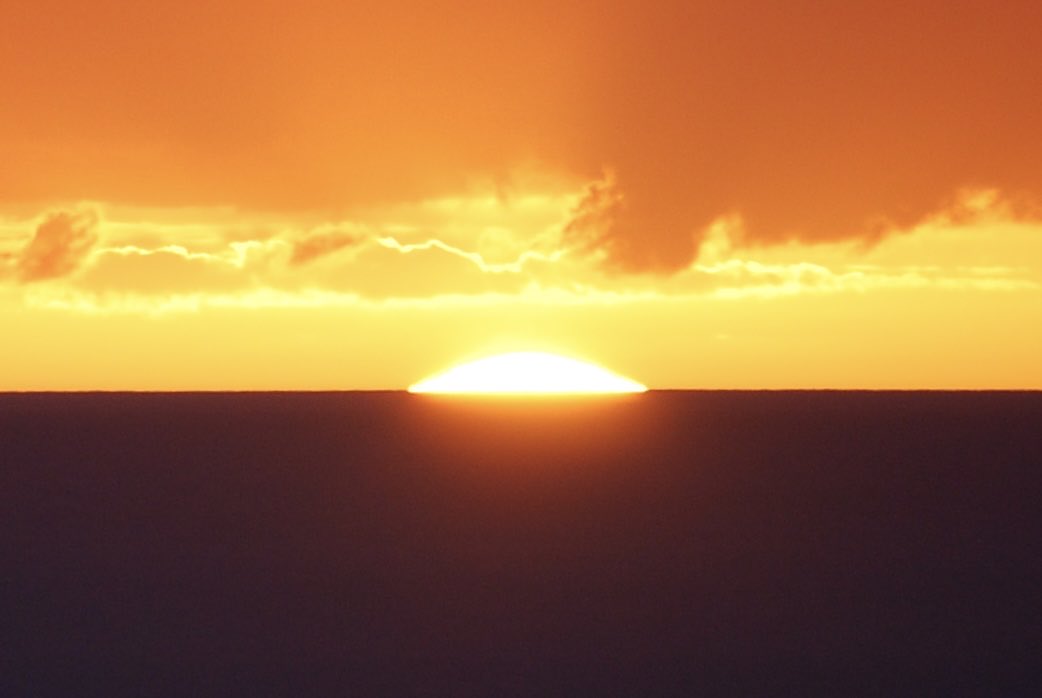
(740, 194)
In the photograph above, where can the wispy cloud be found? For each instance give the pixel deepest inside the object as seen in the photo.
(513, 267)
(976, 245)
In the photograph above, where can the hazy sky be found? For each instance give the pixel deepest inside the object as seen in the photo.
(336, 195)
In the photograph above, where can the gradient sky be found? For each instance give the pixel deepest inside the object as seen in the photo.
(355, 195)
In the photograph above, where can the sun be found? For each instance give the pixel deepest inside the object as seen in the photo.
(527, 373)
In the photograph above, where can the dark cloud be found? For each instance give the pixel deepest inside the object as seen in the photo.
(321, 243)
(810, 120)
(593, 221)
(58, 247)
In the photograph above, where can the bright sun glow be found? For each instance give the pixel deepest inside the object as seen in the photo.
(527, 373)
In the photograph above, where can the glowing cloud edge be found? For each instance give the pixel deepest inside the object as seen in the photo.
(527, 373)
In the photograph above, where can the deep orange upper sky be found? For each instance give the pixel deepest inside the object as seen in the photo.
(726, 194)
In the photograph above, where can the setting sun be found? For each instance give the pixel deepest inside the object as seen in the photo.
(527, 373)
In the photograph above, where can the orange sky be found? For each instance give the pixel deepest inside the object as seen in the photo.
(354, 195)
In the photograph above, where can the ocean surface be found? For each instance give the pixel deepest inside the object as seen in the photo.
(671, 543)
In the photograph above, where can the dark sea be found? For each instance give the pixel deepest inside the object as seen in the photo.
(387, 544)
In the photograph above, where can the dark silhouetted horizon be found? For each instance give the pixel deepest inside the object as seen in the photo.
(381, 543)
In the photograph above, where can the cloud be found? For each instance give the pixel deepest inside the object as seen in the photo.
(59, 246)
(320, 243)
(839, 121)
(844, 120)
(974, 245)
(591, 225)
(383, 267)
(163, 271)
